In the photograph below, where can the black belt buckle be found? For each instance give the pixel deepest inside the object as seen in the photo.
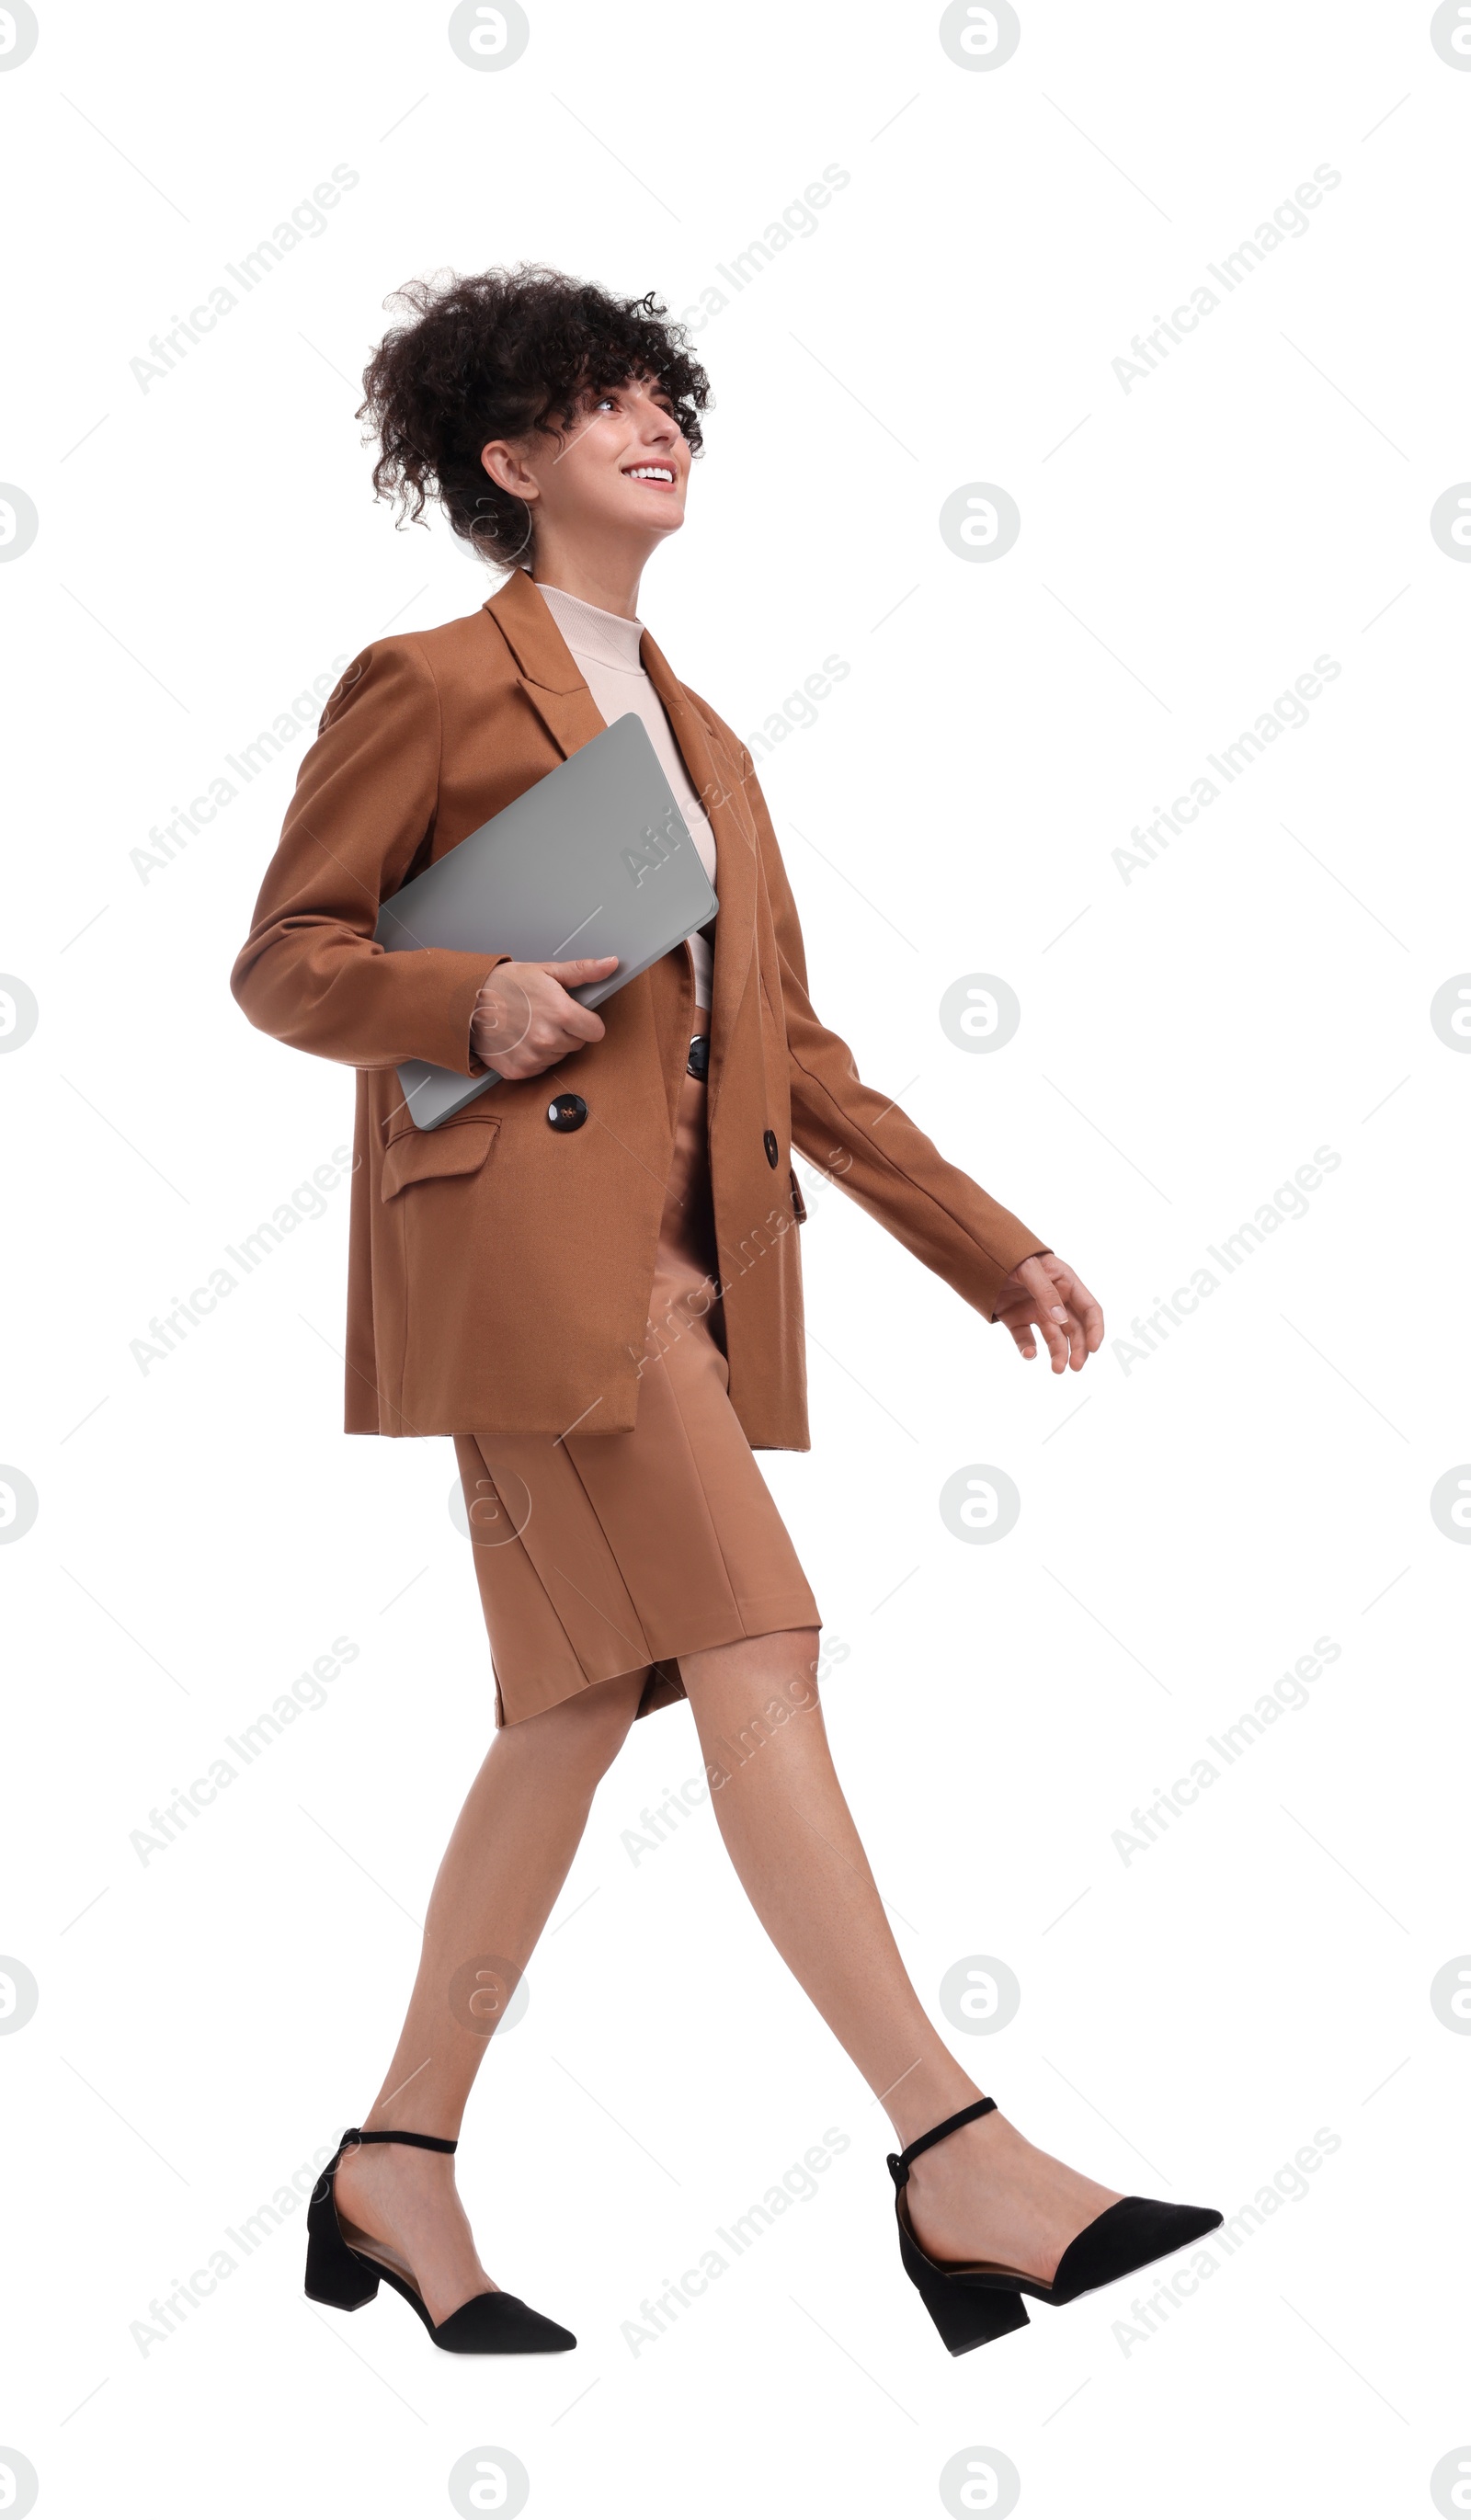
(698, 1062)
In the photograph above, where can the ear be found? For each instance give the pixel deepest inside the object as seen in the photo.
(508, 469)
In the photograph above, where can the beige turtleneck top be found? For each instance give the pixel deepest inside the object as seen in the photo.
(607, 648)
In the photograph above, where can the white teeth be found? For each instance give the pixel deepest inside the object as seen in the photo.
(649, 473)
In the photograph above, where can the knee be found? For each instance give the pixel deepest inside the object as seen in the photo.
(600, 1733)
(583, 1735)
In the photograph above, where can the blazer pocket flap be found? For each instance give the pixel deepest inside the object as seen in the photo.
(434, 1154)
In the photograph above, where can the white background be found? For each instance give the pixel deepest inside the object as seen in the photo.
(1190, 1523)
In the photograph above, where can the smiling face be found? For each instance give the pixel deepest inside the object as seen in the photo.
(608, 488)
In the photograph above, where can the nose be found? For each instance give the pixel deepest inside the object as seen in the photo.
(657, 424)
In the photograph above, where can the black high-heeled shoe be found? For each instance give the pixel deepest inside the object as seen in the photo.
(348, 2277)
(973, 2305)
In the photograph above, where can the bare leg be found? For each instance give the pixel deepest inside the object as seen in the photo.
(506, 1861)
(985, 2194)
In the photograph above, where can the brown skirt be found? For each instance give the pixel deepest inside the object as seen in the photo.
(601, 1554)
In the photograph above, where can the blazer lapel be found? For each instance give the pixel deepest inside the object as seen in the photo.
(547, 668)
(717, 784)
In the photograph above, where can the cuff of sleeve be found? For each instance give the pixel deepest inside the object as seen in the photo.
(446, 994)
(1029, 1248)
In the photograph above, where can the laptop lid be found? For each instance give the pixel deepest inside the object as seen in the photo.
(596, 858)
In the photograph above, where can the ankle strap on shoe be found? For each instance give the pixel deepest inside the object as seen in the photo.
(395, 2134)
(899, 2162)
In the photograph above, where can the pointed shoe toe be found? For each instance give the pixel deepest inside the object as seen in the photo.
(501, 2323)
(1126, 2236)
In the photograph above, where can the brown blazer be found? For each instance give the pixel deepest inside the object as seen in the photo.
(500, 1270)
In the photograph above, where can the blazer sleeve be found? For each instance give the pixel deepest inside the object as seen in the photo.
(363, 807)
(864, 1141)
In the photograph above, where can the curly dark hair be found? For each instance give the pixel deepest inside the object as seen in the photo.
(497, 354)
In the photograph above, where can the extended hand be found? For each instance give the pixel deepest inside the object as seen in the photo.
(1047, 1291)
(524, 1020)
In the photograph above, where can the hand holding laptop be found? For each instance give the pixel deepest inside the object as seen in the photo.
(524, 1020)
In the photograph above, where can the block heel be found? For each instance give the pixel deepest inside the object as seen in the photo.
(965, 2314)
(334, 2273)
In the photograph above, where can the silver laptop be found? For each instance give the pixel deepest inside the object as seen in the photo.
(597, 857)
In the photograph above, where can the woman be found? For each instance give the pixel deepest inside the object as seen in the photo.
(590, 1278)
